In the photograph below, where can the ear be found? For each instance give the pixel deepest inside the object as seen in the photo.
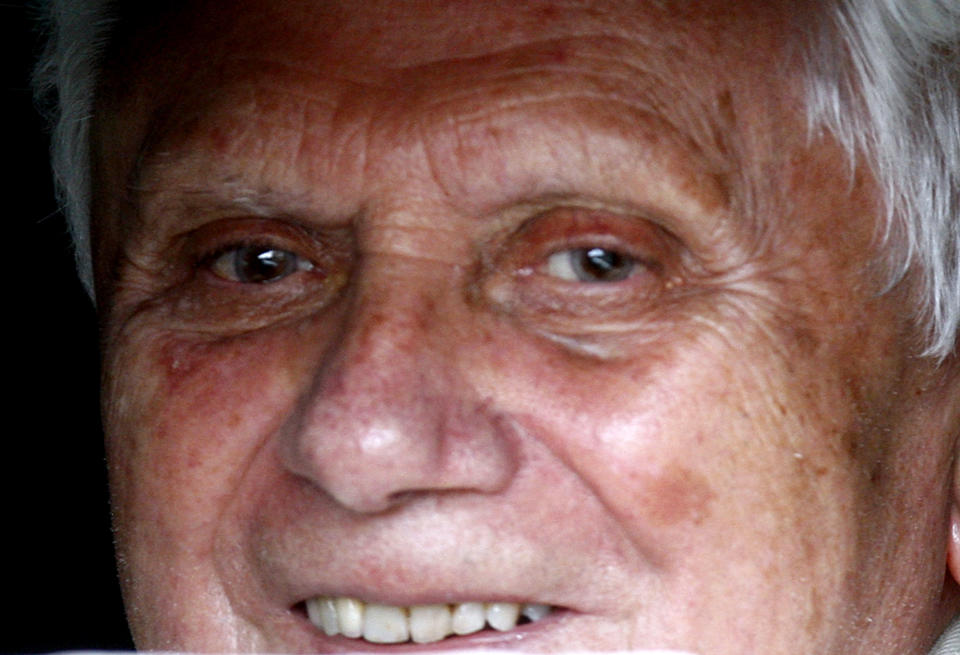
(953, 537)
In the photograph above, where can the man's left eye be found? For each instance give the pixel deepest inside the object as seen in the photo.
(258, 264)
(591, 265)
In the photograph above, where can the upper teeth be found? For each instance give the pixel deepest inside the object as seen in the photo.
(389, 624)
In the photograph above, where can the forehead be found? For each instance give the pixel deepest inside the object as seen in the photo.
(501, 101)
(682, 62)
(656, 49)
(416, 32)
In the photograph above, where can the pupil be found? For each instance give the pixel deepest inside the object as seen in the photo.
(603, 265)
(259, 265)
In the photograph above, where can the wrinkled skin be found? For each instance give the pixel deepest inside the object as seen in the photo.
(726, 446)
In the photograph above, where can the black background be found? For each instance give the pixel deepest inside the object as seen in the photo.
(60, 588)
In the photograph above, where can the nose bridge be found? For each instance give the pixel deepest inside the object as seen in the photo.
(396, 339)
(386, 337)
(388, 415)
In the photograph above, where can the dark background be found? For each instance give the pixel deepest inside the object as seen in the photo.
(60, 587)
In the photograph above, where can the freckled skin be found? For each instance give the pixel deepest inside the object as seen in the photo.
(733, 450)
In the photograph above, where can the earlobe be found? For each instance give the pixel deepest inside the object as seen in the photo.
(953, 539)
(953, 536)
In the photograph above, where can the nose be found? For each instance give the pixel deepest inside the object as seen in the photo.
(390, 416)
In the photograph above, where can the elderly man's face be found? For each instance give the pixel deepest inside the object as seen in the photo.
(547, 304)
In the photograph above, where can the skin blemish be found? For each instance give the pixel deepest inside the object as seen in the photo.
(676, 495)
(179, 361)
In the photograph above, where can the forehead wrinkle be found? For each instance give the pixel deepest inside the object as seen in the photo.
(384, 31)
(532, 56)
(693, 124)
(345, 106)
(413, 83)
(598, 142)
(235, 186)
(541, 53)
(178, 197)
(260, 88)
(538, 61)
(181, 169)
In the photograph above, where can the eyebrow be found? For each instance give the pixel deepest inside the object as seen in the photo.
(229, 193)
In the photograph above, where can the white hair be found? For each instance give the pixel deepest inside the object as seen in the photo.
(883, 76)
(889, 89)
(65, 82)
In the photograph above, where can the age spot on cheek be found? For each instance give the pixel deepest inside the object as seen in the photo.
(178, 362)
(189, 367)
(675, 495)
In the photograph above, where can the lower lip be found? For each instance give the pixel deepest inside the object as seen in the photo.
(486, 638)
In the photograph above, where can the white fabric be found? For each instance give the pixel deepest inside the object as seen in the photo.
(949, 642)
(457, 652)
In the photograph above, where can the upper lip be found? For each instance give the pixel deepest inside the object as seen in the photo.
(390, 576)
(425, 554)
(295, 570)
(465, 568)
(292, 571)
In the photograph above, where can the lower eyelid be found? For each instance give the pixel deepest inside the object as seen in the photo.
(216, 306)
(532, 294)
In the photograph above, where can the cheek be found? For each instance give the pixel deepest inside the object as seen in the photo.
(725, 472)
(184, 420)
(689, 438)
(676, 494)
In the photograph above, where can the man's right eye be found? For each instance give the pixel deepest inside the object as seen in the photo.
(591, 265)
(258, 264)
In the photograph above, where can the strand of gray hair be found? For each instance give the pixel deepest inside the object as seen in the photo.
(889, 88)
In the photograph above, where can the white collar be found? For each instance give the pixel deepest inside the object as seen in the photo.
(949, 642)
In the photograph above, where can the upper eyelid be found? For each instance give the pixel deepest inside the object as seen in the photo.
(588, 226)
(254, 226)
(215, 238)
(586, 242)
(235, 245)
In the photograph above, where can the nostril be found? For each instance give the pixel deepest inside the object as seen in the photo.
(411, 495)
(404, 497)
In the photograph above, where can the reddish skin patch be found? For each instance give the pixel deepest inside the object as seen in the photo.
(677, 495)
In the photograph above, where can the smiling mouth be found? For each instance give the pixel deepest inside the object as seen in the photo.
(391, 624)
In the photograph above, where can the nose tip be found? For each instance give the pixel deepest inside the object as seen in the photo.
(392, 416)
(379, 462)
